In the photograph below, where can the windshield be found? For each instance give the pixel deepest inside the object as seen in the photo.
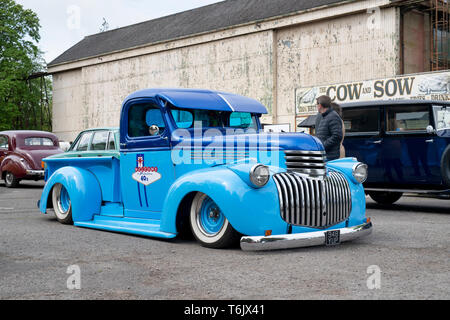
(442, 117)
(186, 118)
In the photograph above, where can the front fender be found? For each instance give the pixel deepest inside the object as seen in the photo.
(250, 211)
(83, 188)
(345, 166)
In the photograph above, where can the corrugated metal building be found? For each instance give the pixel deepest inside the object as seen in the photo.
(264, 49)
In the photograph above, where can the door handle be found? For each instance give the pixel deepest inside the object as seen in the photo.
(377, 142)
(429, 141)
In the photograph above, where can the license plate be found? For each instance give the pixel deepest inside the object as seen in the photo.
(333, 237)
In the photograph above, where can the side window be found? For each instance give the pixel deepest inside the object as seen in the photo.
(155, 121)
(407, 118)
(361, 120)
(99, 140)
(145, 120)
(83, 143)
(111, 141)
(3, 142)
(442, 117)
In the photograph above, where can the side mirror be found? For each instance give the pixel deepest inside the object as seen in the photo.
(153, 130)
(430, 129)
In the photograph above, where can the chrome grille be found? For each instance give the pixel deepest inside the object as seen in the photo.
(308, 162)
(317, 203)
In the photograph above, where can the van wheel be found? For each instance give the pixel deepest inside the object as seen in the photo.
(10, 180)
(62, 204)
(383, 197)
(445, 167)
(209, 225)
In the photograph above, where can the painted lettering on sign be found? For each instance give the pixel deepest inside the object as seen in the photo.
(426, 86)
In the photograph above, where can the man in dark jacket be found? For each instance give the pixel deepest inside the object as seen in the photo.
(328, 127)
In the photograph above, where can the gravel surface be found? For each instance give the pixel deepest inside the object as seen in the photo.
(410, 246)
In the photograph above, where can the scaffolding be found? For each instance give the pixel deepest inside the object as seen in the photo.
(439, 37)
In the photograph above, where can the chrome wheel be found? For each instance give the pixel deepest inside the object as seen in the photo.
(209, 219)
(209, 225)
(62, 204)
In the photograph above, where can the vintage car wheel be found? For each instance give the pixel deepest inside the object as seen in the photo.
(10, 180)
(383, 197)
(62, 204)
(209, 225)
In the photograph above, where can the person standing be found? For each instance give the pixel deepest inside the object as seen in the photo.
(338, 109)
(328, 128)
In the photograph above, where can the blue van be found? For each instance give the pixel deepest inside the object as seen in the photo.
(405, 143)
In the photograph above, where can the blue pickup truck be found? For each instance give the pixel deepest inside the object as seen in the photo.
(197, 161)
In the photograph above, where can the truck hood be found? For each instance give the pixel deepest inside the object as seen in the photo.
(247, 141)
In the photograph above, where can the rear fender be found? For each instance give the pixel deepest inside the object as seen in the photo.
(83, 188)
(13, 164)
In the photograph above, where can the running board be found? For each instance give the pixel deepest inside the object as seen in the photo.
(143, 227)
(421, 191)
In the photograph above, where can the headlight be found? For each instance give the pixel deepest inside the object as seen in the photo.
(259, 175)
(360, 172)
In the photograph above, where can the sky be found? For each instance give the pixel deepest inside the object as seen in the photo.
(66, 22)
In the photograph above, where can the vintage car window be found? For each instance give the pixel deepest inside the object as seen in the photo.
(208, 118)
(183, 118)
(242, 120)
(141, 117)
(83, 142)
(99, 140)
(407, 118)
(3, 142)
(361, 120)
(211, 118)
(111, 141)
(442, 117)
(38, 141)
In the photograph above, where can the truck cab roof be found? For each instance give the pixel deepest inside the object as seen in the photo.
(202, 99)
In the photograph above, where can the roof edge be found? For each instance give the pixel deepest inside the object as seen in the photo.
(194, 35)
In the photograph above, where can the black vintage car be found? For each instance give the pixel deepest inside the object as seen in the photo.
(405, 143)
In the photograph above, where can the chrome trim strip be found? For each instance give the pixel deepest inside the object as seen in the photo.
(35, 172)
(226, 101)
(445, 191)
(296, 198)
(319, 153)
(310, 202)
(298, 240)
(280, 195)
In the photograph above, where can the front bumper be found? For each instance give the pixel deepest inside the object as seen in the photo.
(297, 240)
(35, 173)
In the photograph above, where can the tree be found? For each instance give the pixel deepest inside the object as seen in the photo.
(22, 105)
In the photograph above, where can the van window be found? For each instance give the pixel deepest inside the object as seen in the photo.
(442, 117)
(360, 120)
(407, 118)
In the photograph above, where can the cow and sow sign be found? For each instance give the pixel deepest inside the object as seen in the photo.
(425, 86)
